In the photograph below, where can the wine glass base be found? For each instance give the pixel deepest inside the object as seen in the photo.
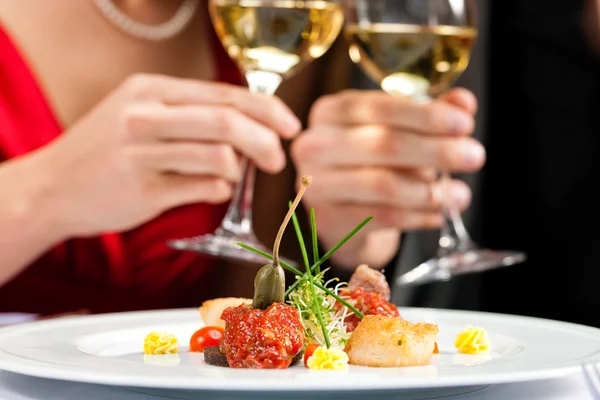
(226, 246)
(459, 263)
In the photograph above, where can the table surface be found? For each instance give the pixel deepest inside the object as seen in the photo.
(19, 387)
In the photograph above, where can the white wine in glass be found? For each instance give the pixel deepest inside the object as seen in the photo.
(417, 49)
(276, 37)
(411, 60)
(270, 40)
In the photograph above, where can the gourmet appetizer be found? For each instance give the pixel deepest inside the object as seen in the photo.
(381, 341)
(328, 324)
(333, 323)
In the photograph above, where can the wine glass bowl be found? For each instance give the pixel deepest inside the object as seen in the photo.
(277, 37)
(418, 49)
(413, 48)
(269, 40)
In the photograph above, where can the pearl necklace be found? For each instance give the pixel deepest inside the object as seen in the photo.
(159, 32)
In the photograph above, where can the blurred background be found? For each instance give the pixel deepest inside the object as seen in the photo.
(535, 70)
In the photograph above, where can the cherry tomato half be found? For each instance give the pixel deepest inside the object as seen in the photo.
(206, 337)
(310, 349)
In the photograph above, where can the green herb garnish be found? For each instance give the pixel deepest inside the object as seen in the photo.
(331, 253)
(309, 294)
(302, 276)
(269, 283)
(315, 239)
(316, 302)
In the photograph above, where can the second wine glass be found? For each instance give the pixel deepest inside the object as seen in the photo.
(417, 49)
(270, 40)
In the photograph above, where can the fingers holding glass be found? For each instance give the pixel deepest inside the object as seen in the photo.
(378, 145)
(368, 107)
(269, 41)
(417, 49)
(382, 187)
(260, 143)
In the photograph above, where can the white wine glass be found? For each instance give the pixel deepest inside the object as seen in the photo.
(270, 40)
(417, 49)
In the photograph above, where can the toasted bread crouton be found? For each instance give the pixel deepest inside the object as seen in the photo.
(381, 341)
(211, 310)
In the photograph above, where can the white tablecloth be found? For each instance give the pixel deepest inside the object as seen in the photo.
(18, 387)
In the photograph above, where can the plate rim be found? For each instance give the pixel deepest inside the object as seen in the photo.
(40, 369)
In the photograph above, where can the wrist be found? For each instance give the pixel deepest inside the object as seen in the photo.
(33, 203)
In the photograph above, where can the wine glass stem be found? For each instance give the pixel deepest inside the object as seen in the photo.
(238, 219)
(454, 235)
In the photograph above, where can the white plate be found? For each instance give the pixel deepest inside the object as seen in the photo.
(106, 349)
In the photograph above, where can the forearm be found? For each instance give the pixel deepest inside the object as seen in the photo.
(28, 226)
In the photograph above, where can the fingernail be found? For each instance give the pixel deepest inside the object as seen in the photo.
(461, 123)
(279, 163)
(473, 155)
(293, 125)
(460, 195)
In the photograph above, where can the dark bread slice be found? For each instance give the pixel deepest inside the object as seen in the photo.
(213, 356)
(297, 358)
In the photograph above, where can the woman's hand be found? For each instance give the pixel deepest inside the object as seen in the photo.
(372, 154)
(157, 143)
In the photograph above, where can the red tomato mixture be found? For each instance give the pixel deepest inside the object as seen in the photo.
(369, 303)
(263, 339)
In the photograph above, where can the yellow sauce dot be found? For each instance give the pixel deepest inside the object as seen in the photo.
(331, 359)
(472, 340)
(156, 343)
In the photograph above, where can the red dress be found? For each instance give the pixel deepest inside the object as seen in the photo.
(133, 270)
